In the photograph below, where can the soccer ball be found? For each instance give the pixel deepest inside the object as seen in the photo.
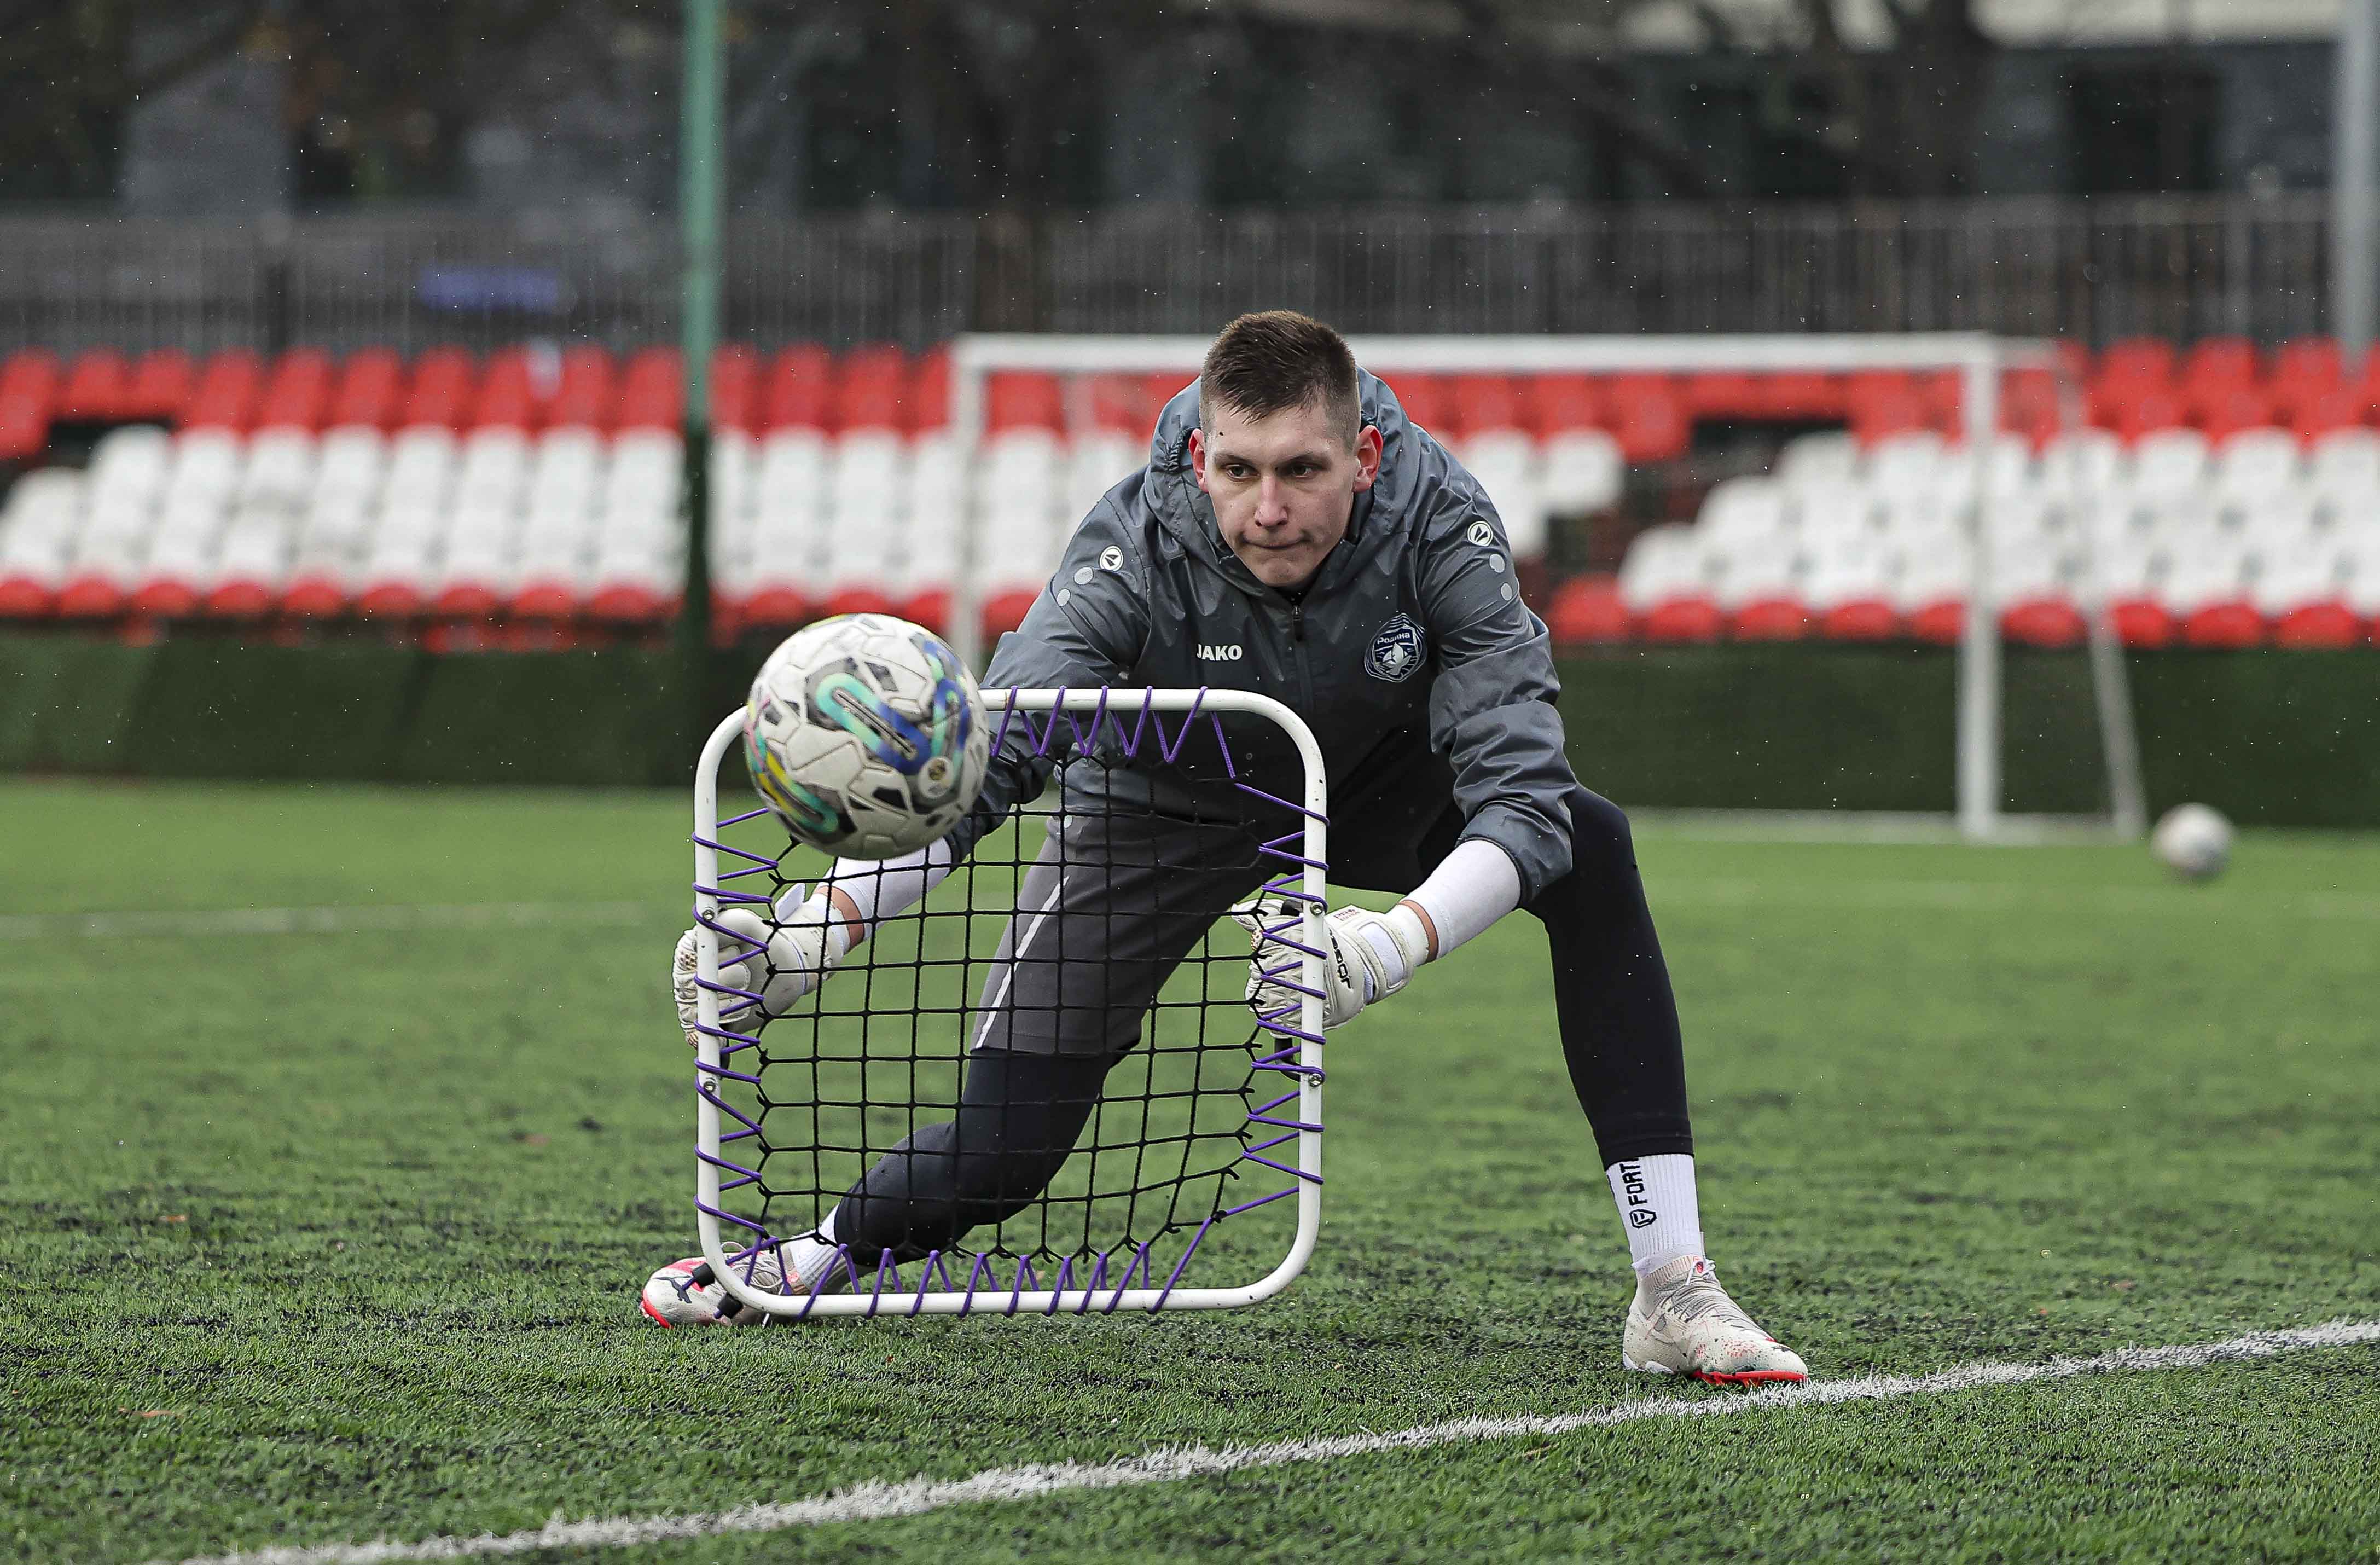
(866, 735)
(2193, 841)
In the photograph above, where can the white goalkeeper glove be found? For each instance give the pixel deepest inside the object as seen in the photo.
(801, 945)
(1369, 956)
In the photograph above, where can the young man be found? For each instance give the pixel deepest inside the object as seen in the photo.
(1355, 570)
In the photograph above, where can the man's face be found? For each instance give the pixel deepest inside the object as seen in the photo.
(1283, 485)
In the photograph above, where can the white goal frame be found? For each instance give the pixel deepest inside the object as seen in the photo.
(882, 1294)
(1978, 358)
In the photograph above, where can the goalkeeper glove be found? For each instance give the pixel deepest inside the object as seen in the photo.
(1367, 956)
(781, 959)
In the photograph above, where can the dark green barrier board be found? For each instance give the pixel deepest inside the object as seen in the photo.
(2284, 738)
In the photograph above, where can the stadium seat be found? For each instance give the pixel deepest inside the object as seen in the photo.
(1023, 400)
(586, 392)
(1830, 460)
(393, 581)
(1559, 402)
(1428, 403)
(2226, 411)
(95, 389)
(2216, 364)
(508, 395)
(1485, 402)
(1913, 461)
(2207, 591)
(2168, 463)
(2137, 362)
(797, 392)
(1801, 396)
(930, 393)
(2030, 405)
(2317, 414)
(736, 389)
(226, 394)
(872, 387)
(160, 388)
(2257, 464)
(2081, 463)
(1883, 403)
(2304, 365)
(1664, 583)
(252, 564)
(1848, 586)
(652, 391)
(1929, 590)
(2300, 590)
(1742, 514)
(29, 387)
(1584, 471)
(296, 392)
(1005, 609)
(1724, 394)
(445, 392)
(37, 529)
(1648, 419)
(1588, 608)
(368, 390)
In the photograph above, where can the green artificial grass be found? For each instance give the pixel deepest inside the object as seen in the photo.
(319, 1238)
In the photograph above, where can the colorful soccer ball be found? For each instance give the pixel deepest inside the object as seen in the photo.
(866, 735)
(2193, 841)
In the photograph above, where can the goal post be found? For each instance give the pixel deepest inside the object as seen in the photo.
(1981, 361)
(1202, 1162)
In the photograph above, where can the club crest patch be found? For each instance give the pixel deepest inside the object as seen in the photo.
(1396, 652)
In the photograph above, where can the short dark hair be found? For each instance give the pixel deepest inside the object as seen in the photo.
(1277, 360)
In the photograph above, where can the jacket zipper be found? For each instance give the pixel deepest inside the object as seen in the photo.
(1297, 653)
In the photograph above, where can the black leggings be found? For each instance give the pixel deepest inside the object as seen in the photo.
(1020, 1114)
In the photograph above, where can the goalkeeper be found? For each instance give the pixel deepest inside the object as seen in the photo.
(1292, 534)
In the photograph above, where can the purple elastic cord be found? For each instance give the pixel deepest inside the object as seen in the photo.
(1159, 1302)
(1139, 1265)
(1260, 1201)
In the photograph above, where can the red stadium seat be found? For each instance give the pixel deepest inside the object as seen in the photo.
(1024, 399)
(861, 600)
(1428, 403)
(1771, 619)
(390, 601)
(652, 391)
(22, 597)
(1861, 619)
(2319, 625)
(160, 386)
(2228, 411)
(735, 388)
(797, 392)
(226, 396)
(2315, 413)
(445, 390)
(165, 598)
(2136, 410)
(2230, 625)
(2042, 621)
(1940, 623)
(2137, 362)
(775, 606)
(2221, 362)
(1803, 397)
(297, 392)
(872, 390)
(1004, 611)
(931, 608)
(1690, 617)
(544, 600)
(1123, 404)
(2029, 405)
(370, 389)
(508, 396)
(314, 596)
(1648, 419)
(1487, 402)
(467, 601)
(96, 389)
(625, 603)
(2305, 371)
(930, 393)
(1565, 402)
(1588, 608)
(2143, 622)
(587, 394)
(1725, 393)
(90, 597)
(29, 390)
(240, 601)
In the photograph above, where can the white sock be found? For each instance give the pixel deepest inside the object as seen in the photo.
(806, 1258)
(1658, 1208)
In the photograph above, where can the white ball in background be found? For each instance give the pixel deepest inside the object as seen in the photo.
(2193, 841)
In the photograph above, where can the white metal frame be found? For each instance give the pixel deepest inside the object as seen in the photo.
(891, 1299)
(1979, 359)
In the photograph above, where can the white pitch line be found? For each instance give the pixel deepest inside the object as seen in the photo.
(915, 1497)
(325, 920)
(2002, 896)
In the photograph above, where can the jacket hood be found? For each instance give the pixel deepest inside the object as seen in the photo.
(1188, 516)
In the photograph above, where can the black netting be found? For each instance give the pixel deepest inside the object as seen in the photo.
(1195, 1119)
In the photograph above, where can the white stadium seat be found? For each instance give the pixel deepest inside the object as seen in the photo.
(1582, 471)
(1910, 463)
(2255, 465)
(2079, 463)
(1830, 510)
(1742, 513)
(2168, 463)
(1664, 564)
(1825, 459)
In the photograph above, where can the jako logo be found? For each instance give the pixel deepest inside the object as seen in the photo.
(1632, 1193)
(1211, 653)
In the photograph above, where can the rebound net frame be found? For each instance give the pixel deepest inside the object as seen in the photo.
(1142, 1277)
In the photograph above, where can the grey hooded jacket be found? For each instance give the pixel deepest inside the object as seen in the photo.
(1425, 678)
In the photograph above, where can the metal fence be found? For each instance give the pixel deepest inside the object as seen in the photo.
(2095, 270)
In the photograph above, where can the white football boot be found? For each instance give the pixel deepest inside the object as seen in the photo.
(1681, 1322)
(686, 1292)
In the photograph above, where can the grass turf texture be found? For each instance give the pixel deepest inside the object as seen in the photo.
(319, 1238)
